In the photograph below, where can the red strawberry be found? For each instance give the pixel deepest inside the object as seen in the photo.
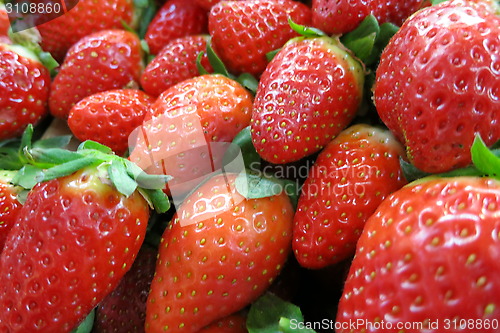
(176, 62)
(219, 254)
(4, 25)
(176, 18)
(428, 259)
(310, 92)
(109, 59)
(434, 96)
(351, 177)
(109, 117)
(24, 90)
(85, 18)
(235, 323)
(125, 307)
(9, 206)
(243, 32)
(207, 4)
(341, 16)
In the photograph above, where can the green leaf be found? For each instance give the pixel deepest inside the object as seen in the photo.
(157, 199)
(199, 66)
(363, 47)
(53, 142)
(50, 157)
(292, 189)
(410, 171)
(293, 326)
(121, 179)
(484, 159)
(68, 168)
(27, 138)
(270, 314)
(216, 62)
(146, 17)
(437, 2)
(367, 27)
(48, 61)
(248, 81)
(270, 55)
(87, 325)
(255, 186)
(243, 141)
(145, 180)
(92, 145)
(305, 31)
(28, 176)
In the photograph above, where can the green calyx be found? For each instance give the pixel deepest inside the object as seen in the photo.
(27, 44)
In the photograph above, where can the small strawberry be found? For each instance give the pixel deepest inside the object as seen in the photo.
(434, 96)
(85, 18)
(235, 323)
(220, 252)
(243, 32)
(309, 92)
(109, 117)
(350, 178)
(9, 205)
(105, 60)
(125, 307)
(176, 18)
(176, 62)
(24, 90)
(427, 257)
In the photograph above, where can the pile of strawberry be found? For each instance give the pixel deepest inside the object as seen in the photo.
(367, 198)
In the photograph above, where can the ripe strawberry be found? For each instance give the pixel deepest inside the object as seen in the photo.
(85, 18)
(105, 60)
(235, 323)
(219, 254)
(109, 117)
(243, 32)
(24, 90)
(310, 92)
(9, 205)
(338, 17)
(176, 18)
(434, 96)
(125, 307)
(351, 177)
(428, 256)
(176, 62)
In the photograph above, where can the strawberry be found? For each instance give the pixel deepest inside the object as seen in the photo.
(9, 205)
(24, 90)
(428, 256)
(310, 92)
(125, 307)
(105, 60)
(109, 117)
(341, 16)
(438, 124)
(85, 18)
(176, 62)
(207, 4)
(176, 18)
(351, 177)
(4, 25)
(243, 32)
(220, 252)
(235, 323)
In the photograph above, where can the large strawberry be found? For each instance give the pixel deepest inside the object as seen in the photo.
(220, 252)
(85, 18)
(9, 205)
(74, 238)
(105, 60)
(109, 117)
(309, 92)
(243, 32)
(176, 18)
(434, 96)
(350, 178)
(24, 90)
(428, 257)
(176, 62)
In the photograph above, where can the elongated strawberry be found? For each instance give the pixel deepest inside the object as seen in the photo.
(176, 18)
(349, 179)
(9, 205)
(105, 60)
(243, 32)
(309, 92)
(220, 252)
(109, 117)
(24, 90)
(85, 18)
(176, 62)
(434, 96)
(428, 257)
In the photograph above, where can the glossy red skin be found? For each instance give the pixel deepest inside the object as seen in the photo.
(105, 60)
(306, 96)
(176, 62)
(85, 18)
(243, 32)
(352, 175)
(228, 259)
(74, 240)
(235, 323)
(438, 84)
(109, 117)
(24, 91)
(9, 209)
(338, 17)
(176, 18)
(125, 307)
(429, 253)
